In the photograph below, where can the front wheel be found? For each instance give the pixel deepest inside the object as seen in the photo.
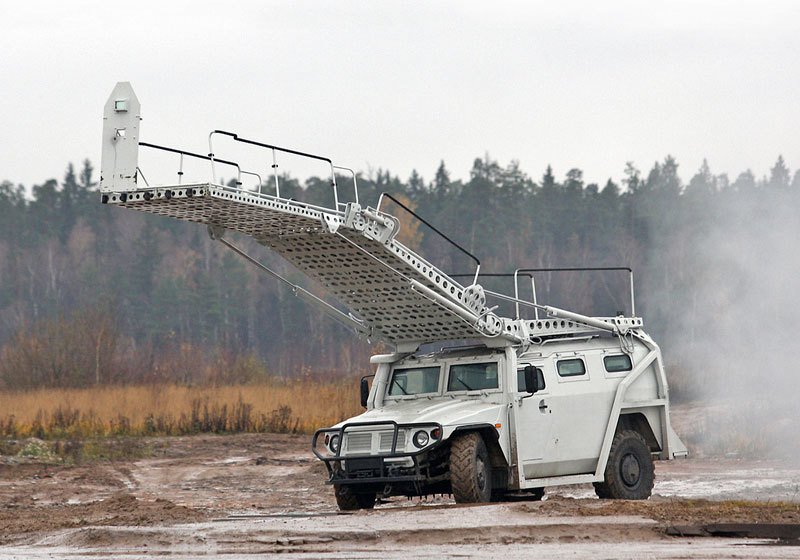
(537, 494)
(629, 473)
(470, 471)
(349, 500)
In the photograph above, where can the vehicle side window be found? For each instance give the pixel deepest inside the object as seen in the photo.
(618, 363)
(571, 367)
(472, 377)
(414, 381)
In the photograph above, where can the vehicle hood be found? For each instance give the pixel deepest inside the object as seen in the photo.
(445, 411)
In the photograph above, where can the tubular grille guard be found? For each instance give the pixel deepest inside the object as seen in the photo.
(390, 424)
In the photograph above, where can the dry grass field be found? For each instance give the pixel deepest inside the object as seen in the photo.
(277, 406)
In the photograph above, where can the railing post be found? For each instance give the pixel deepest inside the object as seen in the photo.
(355, 181)
(275, 174)
(180, 171)
(335, 190)
(211, 157)
(633, 301)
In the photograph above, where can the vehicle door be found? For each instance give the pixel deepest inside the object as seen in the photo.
(533, 420)
(577, 404)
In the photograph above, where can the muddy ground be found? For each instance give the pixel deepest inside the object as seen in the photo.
(253, 495)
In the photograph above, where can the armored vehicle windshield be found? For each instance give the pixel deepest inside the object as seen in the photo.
(415, 381)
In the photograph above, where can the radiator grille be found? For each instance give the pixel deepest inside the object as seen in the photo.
(359, 442)
(385, 445)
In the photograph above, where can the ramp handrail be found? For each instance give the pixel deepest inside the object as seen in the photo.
(424, 221)
(528, 273)
(569, 269)
(275, 149)
(355, 181)
(200, 156)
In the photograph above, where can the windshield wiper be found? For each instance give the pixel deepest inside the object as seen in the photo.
(464, 384)
(394, 382)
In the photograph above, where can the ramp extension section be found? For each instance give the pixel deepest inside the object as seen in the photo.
(399, 296)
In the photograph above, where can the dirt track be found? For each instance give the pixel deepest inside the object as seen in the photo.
(255, 494)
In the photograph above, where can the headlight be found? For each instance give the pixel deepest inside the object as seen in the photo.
(421, 438)
(334, 443)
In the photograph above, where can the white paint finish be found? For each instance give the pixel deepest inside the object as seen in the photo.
(400, 297)
(120, 147)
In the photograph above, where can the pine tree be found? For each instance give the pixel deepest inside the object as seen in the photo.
(779, 175)
(441, 181)
(70, 199)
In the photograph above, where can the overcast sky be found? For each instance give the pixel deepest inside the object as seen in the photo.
(402, 85)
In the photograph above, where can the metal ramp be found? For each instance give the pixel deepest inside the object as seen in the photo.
(362, 265)
(392, 293)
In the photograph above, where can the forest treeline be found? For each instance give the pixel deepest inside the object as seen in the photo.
(91, 294)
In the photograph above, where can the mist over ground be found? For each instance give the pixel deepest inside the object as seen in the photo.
(731, 338)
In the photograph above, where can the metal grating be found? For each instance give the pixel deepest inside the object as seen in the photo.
(393, 293)
(374, 292)
(372, 278)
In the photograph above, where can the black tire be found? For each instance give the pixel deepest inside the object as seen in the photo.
(537, 494)
(349, 500)
(470, 471)
(629, 473)
(505, 495)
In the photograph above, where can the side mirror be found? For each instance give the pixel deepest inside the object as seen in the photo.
(534, 379)
(364, 391)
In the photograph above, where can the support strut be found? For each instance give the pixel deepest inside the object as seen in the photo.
(342, 318)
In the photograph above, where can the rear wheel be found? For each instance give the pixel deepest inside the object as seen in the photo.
(348, 499)
(470, 470)
(629, 473)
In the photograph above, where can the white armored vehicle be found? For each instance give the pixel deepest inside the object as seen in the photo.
(469, 403)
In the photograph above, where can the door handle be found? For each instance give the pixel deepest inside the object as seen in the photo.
(542, 406)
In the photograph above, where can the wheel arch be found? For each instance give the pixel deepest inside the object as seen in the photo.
(491, 438)
(638, 422)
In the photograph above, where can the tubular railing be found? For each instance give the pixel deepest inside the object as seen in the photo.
(182, 153)
(275, 149)
(355, 181)
(568, 269)
(431, 226)
(499, 275)
(529, 273)
(211, 157)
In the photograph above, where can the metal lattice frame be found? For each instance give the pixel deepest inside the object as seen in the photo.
(392, 292)
(372, 278)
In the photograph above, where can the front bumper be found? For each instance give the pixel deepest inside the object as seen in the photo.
(388, 466)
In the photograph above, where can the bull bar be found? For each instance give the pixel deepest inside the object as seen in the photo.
(364, 466)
